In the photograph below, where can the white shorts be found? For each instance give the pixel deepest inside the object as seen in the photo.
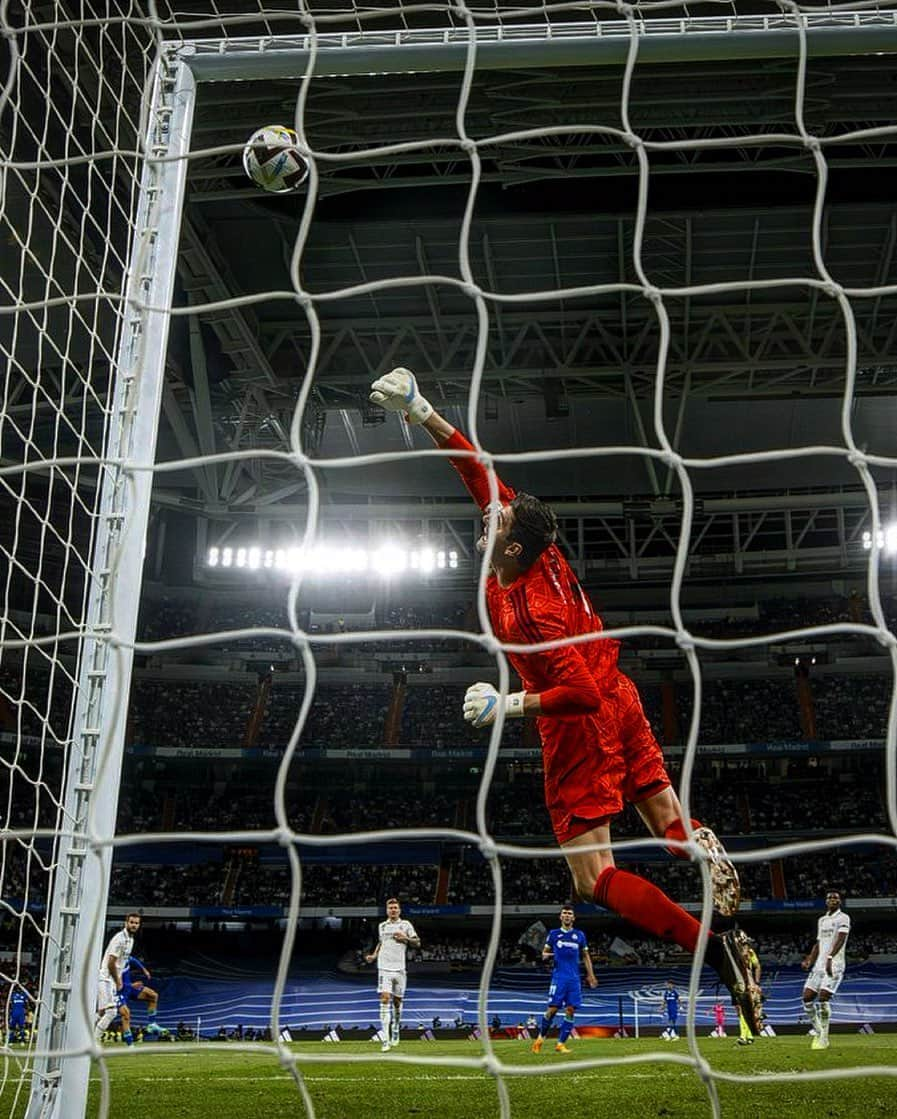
(106, 992)
(820, 980)
(392, 983)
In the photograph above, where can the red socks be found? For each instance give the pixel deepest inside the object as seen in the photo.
(676, 830)
(643, 904)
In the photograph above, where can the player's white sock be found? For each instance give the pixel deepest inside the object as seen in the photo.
(825, 1014)
(385, 1017)
(103, 1023)
(814, 1016)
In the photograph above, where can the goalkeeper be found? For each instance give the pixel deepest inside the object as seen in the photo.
(598, 749)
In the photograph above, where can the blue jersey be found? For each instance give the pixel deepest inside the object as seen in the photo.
(128, 988)
(671, 1001)
(567, 946)
(18, 1000)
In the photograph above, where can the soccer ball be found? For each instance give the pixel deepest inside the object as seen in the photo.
(273, 161)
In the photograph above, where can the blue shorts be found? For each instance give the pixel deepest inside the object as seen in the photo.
(565, 990)
(672, 1016)
(16, 1018)
(130, 992)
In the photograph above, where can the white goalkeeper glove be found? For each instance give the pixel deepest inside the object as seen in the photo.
(481, 705)
(397, 391)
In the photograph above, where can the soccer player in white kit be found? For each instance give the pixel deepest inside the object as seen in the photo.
(825, 964)
(395, 935)
(111, 999)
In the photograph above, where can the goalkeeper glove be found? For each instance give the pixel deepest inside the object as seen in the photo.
(398, 392)
(481, 705)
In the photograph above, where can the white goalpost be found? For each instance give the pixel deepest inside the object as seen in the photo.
(84, 330)
(96, 116)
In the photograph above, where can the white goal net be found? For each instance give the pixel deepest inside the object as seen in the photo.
(114, 148)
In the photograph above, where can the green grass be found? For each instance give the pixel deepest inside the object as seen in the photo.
(214, 1083)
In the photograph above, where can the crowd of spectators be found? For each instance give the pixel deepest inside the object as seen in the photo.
(143, 884)
(214, 713)
(469, 882)
(851, 706)
(802, 805)
(852, 873)
(739, 801)
(744, 710)
(24, 874)
(232, 711)
(190, 713)
(353, 715)
(378, 810)
(432, 718)
(525, 879)
(166, 617)
(36, 699)
(326, 884)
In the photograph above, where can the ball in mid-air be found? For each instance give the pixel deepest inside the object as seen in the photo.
(273, 161)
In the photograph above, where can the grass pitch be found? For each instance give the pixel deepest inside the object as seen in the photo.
(353, 1080)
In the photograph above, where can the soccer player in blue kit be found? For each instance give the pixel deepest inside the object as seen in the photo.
(567, 947)
(18, 1004)
(671, 1005)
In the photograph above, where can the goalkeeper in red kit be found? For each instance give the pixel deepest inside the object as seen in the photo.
(598, 749)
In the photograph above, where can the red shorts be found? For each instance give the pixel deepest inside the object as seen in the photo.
(596, 763)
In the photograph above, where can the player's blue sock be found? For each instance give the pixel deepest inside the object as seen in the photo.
(544, 1026)
(127, 1037)
(566, 1030)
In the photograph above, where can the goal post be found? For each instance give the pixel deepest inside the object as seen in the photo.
(83, 854)
(513, 46)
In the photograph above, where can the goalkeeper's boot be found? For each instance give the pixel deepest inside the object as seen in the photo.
(724, 884)
(536, 1046)
(729, 954)
(561, 1048)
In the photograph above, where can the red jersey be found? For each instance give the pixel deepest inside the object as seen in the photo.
(598, 749)
(546, 603)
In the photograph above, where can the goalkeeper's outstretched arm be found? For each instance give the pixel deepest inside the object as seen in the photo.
(398, 391)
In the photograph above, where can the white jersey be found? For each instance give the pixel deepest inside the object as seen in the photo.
(120, 946)
(392, 952)
(830, 924)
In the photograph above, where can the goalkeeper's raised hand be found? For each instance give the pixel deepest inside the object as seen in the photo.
(397, 391)
(481, 705)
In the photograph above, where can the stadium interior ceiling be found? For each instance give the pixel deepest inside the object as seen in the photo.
(749, 369)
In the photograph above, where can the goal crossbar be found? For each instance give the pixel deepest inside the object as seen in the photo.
(605, 43)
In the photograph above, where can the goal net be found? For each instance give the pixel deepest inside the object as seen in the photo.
(113, 141)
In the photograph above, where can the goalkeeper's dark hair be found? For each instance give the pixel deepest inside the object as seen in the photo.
(535, 527)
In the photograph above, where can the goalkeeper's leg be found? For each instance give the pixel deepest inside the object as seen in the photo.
(662, 812)
(596, 878)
